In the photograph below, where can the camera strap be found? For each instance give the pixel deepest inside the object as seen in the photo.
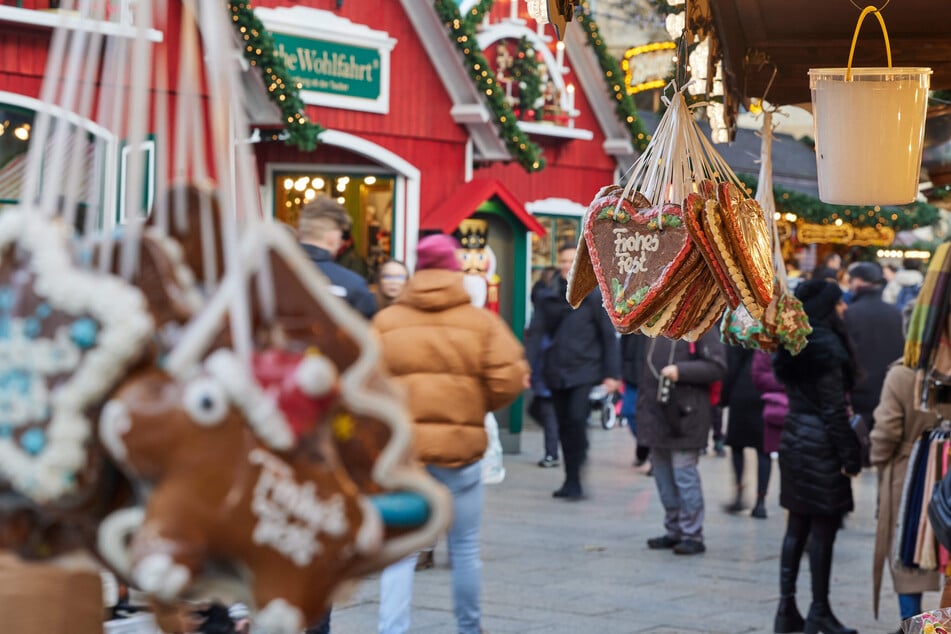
(650, 357)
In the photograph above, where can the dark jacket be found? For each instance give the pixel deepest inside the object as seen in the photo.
(684, 423)
(775, 401)
(344, 283)
(584, 349)
(876, 332)
(745, 422)
(633, 349)
(817, 441)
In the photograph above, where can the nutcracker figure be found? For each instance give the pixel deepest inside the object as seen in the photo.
(478, 263)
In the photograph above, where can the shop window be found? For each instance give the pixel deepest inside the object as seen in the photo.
(85, 163)
(16, 126)
(559, 230)
(368, 199)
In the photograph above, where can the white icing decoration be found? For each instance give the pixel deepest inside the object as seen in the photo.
(205, 401)
(370, 536)
(114, 423)
(184, 276)
(113, 536)
(263, 414)
(124, 329)
(34, 360)
(159, 575)
(315, 375)
(279, 617)
(290, 515)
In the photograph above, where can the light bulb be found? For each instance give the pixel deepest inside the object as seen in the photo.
(369, 180)
(301, 183)
(310, 194)
(317, 182)
(288, 184)
(341, 200)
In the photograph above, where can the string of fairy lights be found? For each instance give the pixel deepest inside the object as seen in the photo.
(810, 209)
(260, 52)
(614, 79)
(463, 32)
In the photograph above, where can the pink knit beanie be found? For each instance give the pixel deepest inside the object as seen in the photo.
(437, 252)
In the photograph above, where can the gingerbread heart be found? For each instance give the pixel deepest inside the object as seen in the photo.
(66, 338)
(697, 313)
(639, 256)
(745, 223)
(713, 227)
(694, 206)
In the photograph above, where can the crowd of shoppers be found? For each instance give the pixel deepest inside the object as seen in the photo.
(457, 362)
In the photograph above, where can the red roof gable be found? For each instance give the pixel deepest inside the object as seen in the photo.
(466, 199)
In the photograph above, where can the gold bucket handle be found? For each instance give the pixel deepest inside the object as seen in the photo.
(855, 37)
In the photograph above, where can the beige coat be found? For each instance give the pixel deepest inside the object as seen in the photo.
(455, 362)
(897, 426)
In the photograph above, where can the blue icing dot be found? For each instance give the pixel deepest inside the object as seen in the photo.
(7, 297)
(6, 430)
(31, 327)
(43, 310)
(84, 332)
(4, 328)
(33, 441)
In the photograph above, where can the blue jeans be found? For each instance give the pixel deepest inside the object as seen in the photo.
(909, 605)
(629, 407)
(396, 584)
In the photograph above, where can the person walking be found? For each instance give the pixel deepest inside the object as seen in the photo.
(392, 278)
(745, 427)
(321, 225)
(455, 363)
(584, 351)
(775, 401)
(898, 426)
(875, 328)
(633, 349)
(818, 454)
(542, 408)
(674, 412)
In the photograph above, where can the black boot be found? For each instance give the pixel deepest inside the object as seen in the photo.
(759, 511)
(821, 620)
(788, 619)
(737, 505)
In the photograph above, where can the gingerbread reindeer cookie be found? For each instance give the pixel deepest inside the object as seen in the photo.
(249, 462)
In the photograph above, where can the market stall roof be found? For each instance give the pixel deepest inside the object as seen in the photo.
(461, 204)
(756, 35)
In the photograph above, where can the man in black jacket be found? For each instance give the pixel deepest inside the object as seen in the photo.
(584, 351)
(875, 329)
(321, 225)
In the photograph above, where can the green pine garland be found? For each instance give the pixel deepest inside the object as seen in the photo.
(815, 211)
(614, 79)
(259, 51)
(525, 152)
(525, 75)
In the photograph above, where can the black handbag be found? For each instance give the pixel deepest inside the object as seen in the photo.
(862, 432)
(939, 511)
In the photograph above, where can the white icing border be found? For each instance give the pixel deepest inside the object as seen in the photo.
(184, 276)
(259, 409)
(390, 470)
(125, 328)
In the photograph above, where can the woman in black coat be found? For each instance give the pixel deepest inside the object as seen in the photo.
(818, 453)
(745, 427)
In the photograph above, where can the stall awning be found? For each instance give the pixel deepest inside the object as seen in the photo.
(466, 199)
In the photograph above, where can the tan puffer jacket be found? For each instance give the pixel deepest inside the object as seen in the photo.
(455, 362)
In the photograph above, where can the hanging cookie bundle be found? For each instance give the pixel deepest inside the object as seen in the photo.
(783, 320)
(679, 243)
(188, 401)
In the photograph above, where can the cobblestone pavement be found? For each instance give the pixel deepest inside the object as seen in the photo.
(578, 567)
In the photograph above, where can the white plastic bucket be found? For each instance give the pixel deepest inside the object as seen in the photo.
(869, 133)
(869, 124)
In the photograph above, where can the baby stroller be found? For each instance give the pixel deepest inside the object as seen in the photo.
(604, 407)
